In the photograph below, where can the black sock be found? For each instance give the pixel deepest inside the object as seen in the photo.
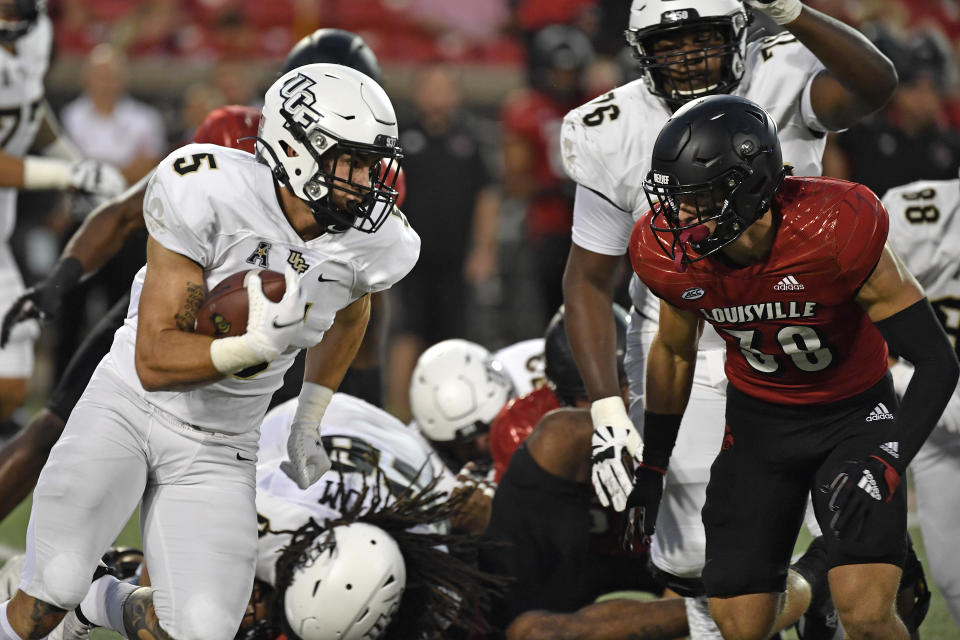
(812, 567)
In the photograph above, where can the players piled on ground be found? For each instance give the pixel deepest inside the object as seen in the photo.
(502, 512)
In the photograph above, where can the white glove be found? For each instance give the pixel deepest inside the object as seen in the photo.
(308, 459)
(780, 11)
(613, 435)
(273, 326)
(97, 178)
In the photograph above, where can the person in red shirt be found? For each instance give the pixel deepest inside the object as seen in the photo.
(795, 275)
(530, 120)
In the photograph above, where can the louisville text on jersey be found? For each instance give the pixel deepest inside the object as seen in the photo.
(761, 311)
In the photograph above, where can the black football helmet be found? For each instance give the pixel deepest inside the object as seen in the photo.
(559, 47)
(718, 29)
(19, 17)
(561, 371)
(718, 157)
(334, 46)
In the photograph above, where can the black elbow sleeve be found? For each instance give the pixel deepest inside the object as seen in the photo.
(916, 335)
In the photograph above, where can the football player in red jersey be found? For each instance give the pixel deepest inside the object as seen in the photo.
(563, 549)
(795, 275)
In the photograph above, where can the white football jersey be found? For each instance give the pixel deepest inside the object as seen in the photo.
(524, 363)
(217, 207)
(607, 145)
(368, 444)
(925, 233)
(607, 150)
(21, 103)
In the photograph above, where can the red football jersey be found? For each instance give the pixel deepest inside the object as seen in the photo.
(515, 422)
(794, 333)
(535, 117)
(513, 425)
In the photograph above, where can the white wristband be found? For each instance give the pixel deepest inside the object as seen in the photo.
(232, 354)
(610, 410)
(312, 402)
(45, 173)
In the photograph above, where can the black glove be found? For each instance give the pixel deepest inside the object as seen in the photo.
(42, 301)
(643, 503)
(859, 485)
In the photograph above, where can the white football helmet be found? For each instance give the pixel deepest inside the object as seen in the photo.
(680, 77)
(321, 109)
(20, 17)
(349, 587)
(456, 391)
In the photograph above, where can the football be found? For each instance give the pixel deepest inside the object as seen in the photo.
(224, 311)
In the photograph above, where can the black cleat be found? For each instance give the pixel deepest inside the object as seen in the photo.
(913, 599)
(124, 561)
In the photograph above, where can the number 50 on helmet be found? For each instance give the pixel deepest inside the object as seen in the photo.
(319, 115)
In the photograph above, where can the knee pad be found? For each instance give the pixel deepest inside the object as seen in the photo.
(64, 581)
(203, 618)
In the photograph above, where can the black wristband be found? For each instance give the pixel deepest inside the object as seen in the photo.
(659, 436)
(66, 274)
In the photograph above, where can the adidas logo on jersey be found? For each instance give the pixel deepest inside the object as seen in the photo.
(788, 284)
(892, 448)
(880, 412)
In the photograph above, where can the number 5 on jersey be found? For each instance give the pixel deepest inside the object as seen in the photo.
(183, 166)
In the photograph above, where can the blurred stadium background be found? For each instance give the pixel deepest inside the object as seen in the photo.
(161, 65)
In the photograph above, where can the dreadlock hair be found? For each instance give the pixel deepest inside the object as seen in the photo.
(442, 589)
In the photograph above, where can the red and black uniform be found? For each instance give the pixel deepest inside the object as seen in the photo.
(515, 422)
(562, 547)
(807, 371)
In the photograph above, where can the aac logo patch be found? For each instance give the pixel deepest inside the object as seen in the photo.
(693, 293)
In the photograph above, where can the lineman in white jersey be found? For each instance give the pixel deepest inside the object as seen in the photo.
(456, 390)
(524, 363)
(367, 445)
(378, 464)
(172, 416)
(924, 231)
(26, 37)
(687, 49)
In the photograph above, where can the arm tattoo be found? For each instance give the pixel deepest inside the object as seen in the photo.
(188, 315)
(139, 618)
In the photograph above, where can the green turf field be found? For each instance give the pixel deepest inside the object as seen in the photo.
(937, 626)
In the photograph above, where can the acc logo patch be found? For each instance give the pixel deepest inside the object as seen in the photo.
(693, 293)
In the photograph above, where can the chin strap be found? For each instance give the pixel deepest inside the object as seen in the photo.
(331, 220)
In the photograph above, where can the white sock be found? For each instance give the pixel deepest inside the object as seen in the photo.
(6, 631)
(103, 604)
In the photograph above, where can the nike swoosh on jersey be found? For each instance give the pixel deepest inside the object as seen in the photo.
(240, 457)
(322, 279)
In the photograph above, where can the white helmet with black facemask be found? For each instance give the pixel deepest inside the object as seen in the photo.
(317, 116)
(712, 63)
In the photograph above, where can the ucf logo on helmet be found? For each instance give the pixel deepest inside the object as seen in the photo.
(299, 100)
